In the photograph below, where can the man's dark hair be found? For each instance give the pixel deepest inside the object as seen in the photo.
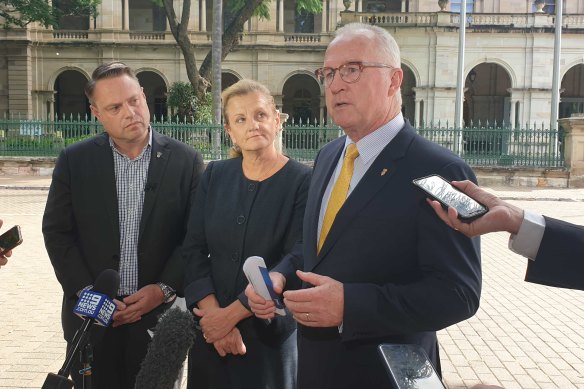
(107, 70)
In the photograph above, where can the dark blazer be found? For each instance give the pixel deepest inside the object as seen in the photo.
(80, 223)
(406, 274)
(560, 259)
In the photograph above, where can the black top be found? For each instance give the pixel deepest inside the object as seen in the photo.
(234, 218)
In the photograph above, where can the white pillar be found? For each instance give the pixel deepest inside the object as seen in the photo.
(417, 113)
(403, 8)
(280, 15)
(359, 5)
(126, 12)
(323, 23)
(203, 15)
(512, 114)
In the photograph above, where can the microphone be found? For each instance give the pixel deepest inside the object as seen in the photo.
(150, 187)
(94, 305)
(173, 337)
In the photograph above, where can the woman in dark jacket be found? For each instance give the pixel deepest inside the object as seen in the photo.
(250, 205)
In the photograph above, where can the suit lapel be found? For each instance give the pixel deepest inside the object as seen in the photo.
(160, 155)
(379, 174)
(106, 177)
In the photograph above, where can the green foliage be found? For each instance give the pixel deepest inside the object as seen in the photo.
(263, 10)
(19, 13)
(182, 98)
(309, 6)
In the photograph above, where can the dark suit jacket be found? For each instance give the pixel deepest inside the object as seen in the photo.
(406, 274)
(80, 223)
(560, 259)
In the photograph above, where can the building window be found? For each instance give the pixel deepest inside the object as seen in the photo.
(455, 6)
(548, 8)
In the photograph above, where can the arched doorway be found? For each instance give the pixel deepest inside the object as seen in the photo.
(572, 98)
(301, 99)
(228, 79)
(70, 100)
(487, 95)
(155, 91)
(408, 94)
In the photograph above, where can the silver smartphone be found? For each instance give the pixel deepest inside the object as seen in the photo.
(441, 190)
(409, 366)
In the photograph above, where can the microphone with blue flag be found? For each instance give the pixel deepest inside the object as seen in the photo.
(97, 306)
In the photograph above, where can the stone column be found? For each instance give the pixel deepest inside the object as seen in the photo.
(574, 148)
(203, 15)
(403, 6)
(323, 16)
(512, 114)
(126, 12)
(416, 113)
(280, 15)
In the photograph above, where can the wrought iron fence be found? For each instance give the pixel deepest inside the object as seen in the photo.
(529, 146)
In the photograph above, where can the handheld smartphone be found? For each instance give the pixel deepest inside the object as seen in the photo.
(10, 239)
(409, 366)
(441, 190)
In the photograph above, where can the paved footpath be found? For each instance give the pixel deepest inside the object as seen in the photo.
(524, 335)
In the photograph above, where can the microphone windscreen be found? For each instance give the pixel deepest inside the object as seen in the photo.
(107, 282)
(173, 337)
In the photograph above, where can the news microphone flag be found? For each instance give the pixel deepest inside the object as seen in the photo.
(97, 306)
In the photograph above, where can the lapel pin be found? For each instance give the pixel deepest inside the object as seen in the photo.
(383, 172)
(158, 154)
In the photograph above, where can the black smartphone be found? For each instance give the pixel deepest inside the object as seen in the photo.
(409, 366)
(10, 239)
(441, 190)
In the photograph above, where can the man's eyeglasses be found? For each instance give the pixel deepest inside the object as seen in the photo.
(349, 72)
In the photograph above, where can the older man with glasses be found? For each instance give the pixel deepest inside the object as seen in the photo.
(376, 264)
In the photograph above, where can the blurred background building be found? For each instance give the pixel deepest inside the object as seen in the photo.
(508, 57)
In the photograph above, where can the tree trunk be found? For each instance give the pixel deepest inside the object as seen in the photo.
(230, 35)
(180, 33)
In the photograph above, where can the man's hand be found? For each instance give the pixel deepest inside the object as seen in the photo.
(232, 343)
(502, 216)
(319, 306)
(262, 308)
(3, 258)
(140, 303)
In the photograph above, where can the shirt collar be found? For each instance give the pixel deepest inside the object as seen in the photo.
(371, 145)
(149, 145)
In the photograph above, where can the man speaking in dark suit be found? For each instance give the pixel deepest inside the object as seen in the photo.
(120, 200)
(555, 248)
(377, 264)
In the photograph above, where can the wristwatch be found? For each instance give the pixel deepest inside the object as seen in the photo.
(169, 293)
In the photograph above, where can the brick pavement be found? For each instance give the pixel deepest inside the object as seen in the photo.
(524, 335)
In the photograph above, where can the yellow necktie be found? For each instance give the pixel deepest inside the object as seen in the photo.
(339, 193)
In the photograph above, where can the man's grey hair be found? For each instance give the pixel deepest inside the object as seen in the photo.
(382, 39)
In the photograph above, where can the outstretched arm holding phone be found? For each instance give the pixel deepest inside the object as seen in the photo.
(3, 258)
(555, 247)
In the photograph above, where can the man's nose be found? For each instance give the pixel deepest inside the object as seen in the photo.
(128, 110)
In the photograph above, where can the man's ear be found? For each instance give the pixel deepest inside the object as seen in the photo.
(397, 77)
(94, 111)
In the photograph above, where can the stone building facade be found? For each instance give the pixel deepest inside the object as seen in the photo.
(508, 57)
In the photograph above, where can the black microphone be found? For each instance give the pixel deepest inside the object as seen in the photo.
(150, 187)
(93, 306)
(173, 337)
